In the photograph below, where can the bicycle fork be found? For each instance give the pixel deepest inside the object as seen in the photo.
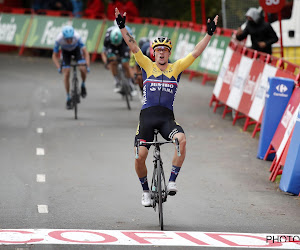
(157, 162)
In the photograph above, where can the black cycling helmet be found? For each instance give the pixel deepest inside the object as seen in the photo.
(142, 41)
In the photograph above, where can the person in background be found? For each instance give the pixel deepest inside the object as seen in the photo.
(127, 6)
(63, 5)
(147, 50)
(71, 45)
(261, 32)
(114, 46)
(94, 8)
(39, 5)
(77, 8)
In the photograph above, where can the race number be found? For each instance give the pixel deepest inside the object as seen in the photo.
(272, 6)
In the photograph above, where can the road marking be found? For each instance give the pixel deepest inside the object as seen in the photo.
(42, 113)
(146, 238)
(39, 130)
(41, 178)
(43, 209)
(40, 151)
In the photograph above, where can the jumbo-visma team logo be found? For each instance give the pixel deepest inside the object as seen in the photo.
(281, 88)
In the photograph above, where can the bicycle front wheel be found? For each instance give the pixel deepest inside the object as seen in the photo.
(160, 195)
(75, 97)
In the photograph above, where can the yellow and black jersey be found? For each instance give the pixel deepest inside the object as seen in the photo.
(160, 87)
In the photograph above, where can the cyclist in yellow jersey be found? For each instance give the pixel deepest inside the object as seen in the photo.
(160, 82)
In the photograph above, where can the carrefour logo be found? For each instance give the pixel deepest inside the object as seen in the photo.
(281, 88)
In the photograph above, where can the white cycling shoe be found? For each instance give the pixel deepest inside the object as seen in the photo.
(172, 188)
(146, 199)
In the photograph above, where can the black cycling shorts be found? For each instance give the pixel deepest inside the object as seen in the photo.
(159, 118)
(67, 55)
(122, 51)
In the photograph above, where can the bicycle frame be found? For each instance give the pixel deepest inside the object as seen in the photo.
(124, 81)
(158, 183)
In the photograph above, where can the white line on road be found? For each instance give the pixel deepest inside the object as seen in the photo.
(39, 130)
(43, 209)
(41, 178)
(40, 151)
(42, 113)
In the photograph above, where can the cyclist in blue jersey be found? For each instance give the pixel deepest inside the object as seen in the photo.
(71, 45)
(160, 82)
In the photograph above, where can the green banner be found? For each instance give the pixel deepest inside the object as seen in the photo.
(89, 31)
(212, 57)
(13, 28)
(106, 26)
(45, 29)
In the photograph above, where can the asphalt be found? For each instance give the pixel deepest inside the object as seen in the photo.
(89, 162)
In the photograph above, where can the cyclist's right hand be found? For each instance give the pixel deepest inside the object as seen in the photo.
(59, 70)
(120, 19)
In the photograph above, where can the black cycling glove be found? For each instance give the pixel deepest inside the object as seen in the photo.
(210, 27)
(121, 21)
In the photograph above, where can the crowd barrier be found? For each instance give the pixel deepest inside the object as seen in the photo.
(25, 29)
(242, 85)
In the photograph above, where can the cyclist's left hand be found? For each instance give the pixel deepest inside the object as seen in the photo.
(88, 69)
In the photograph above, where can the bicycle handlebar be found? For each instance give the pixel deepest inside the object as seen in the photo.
(156, 143)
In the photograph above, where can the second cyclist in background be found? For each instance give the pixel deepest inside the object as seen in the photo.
(147, 50)
(114, 47)
(71, 45)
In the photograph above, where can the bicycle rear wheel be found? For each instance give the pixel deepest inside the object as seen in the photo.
(160, 195)
(75, 97)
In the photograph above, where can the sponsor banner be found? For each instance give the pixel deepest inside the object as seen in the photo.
(287, 133)
(89, 31)
(45, 29)
(212, 57)
(286, 119)
(107, 24)
(138, 30)
(254, 78)
(237, 87)
(262, 87)
(223, 70)
(277, 98)
(185, 42)
(13, 28)
(146, 238)
(290, 181)
(230, 76)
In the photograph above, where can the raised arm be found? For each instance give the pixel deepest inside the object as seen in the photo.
(132, 44)
(211, 27)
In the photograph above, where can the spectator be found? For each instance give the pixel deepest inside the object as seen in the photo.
(94, 8)
(64, 5)
(39, 5)
(261, 32)
(77, 8)
(127, 6)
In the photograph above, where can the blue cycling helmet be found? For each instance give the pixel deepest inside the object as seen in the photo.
(68, 32)
(116, 37)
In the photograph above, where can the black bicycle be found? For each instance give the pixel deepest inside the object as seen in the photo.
(75, 93)
(125, 84)
(158, 183)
